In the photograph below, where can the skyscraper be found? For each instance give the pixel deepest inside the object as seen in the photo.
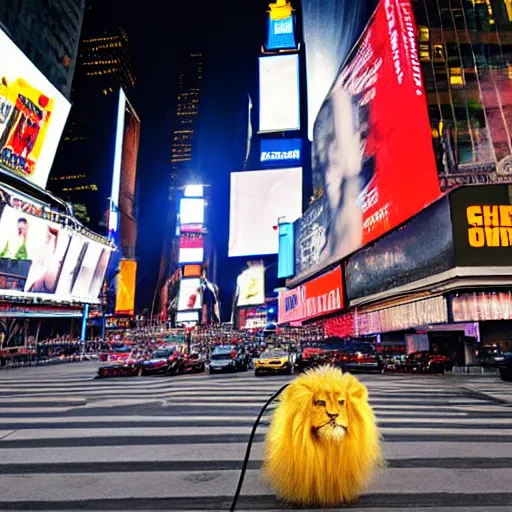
(48, 34)
(186, 120)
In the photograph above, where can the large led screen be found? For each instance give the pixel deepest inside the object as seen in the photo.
(191, 248)
(279, 93)
(122, 221)
(192, 211)
(259, 199)
(251, 286)
(44, 259)
(190, 294)
(281, 33)
(286, 255)
(373, 162)
(327, 46)
(32, 116)
(32, 252)
(125, 293)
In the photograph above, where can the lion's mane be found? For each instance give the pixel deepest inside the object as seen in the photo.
(306, 470)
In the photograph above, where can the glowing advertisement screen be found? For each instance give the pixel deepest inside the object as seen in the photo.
(251, 286)
(286, 255)
(281, 34)
(258, 200)
(190, 294)
(279, 93)
(373, 161)
(192, 211)
(187, 316)
(32, 116)
(191, 248)
(125, 293)
(279, 152)
(39, 258)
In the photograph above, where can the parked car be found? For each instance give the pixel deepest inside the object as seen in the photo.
(503, 363)
(227, 359)
(273, 361)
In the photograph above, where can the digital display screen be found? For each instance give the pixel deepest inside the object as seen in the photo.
(372, 158)
(190, 294)
(32, 116)
(42, 258)
(126, 283)
(280, 151)
(191, 248)
(194, 191)
(251, 286)
(279, 93)
(187, 316)
(286, 256)
(259, 200)
(192, 211)
(191, 270)
(281, 33)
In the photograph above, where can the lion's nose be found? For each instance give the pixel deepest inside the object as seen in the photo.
(332, 415)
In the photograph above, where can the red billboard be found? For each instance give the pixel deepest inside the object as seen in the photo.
(317, 297)
(373, 160)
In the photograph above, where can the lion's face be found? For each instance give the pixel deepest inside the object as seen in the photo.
(328, 412)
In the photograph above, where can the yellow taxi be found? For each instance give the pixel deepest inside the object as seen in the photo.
(273, 361)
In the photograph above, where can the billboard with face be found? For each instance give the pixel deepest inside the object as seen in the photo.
(32, 116)
(373, 161)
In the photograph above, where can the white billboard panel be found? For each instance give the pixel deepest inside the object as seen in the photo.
(258, 200)
(279, 93)
(192, 211)
(251, 286)
(190, 294)
(32, 116)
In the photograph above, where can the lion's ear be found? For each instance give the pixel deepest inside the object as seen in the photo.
(356, 390)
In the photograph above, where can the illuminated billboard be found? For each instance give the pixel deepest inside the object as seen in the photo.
(187, 317)
(191, 211)
(372, 158)
(281, 33)
(279, 152)
(32, 116)
(43, 259)
(259, 199)
(279, 93)
(327, 47)
(194, 191)
(286, 255)
(191, 248)
(190, 294)
(122, 222)
(191, 270)
(251, 286)
(125, 293)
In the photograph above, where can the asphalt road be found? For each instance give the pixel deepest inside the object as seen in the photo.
(69, 442)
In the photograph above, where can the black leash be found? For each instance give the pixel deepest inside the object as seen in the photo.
(249, 446)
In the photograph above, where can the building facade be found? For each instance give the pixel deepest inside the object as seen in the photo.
(48, 33)
(186, 119)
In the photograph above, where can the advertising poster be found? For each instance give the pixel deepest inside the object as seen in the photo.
(192, 211)
(482, 225)
(32, 116)
(190, 294)
(259, 201)
(191, 248)
(373, 160)
(99, 274)
(72, 265)
(85, 275)
(125, 293)
(279, 152)
(281, 33)
(286, 256)
(251, 286)
(32, 252)
(279, 93)
(314, 298)
(423, 247)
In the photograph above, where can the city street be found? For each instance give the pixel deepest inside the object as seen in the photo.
(70, 442)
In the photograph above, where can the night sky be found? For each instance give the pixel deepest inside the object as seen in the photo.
(230, 34)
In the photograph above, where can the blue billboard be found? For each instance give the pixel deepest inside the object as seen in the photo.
(286, 258)
(281, 33)
(281, 151)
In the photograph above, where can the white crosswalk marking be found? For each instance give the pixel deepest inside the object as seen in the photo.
(178, 443)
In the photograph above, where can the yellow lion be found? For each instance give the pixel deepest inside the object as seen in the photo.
(323, 444)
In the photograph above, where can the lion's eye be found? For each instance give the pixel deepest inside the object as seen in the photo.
(341, 402)
(320, 403)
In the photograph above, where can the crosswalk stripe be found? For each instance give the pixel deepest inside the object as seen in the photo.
(181, 446)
